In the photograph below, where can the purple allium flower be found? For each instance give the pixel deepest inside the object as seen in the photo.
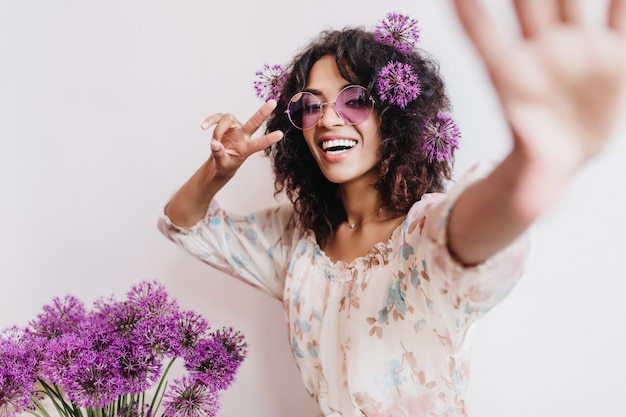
(62, 316)
(104, 361)
(151, 297)
(148, 317)
(60, 354)
(160, 334)
(99, 332)
(193, 327)
(18, 372)
(211, 363)
(121, 318)
(441, 137)
(139, 368)
(234, 343)
(187, 397)
(270, 82)
(398, 84)
(93, 380)
(398, 31)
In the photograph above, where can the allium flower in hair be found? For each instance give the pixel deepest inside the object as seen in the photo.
(398, 31)
(398, 84)
(270, 82)
(441, 137)
(187, 397)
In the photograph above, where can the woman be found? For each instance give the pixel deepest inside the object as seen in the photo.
(381, 274)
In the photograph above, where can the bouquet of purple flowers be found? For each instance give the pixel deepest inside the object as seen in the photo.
(112, 361)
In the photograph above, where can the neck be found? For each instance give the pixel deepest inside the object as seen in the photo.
(375, 215)
(362, 205)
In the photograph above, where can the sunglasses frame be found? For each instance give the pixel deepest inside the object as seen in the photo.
(326, 103)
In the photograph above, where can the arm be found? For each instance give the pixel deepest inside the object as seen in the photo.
(561, 85)
(230, 146)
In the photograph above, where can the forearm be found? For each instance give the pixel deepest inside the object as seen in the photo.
(493, 212)
(190, 203)
(231, 144)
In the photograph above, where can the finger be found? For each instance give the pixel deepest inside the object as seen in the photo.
(480, 29)
(220, 155)
(263, 142)
(617, 16)
(257, 119)
(216, 146)
(535, 16)
(210, 121)
(570, 12)
(226, 123)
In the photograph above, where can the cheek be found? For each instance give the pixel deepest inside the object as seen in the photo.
(371, 135)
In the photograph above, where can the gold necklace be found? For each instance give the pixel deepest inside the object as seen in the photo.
(353, 226)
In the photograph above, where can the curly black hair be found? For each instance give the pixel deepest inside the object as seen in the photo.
(404, 172)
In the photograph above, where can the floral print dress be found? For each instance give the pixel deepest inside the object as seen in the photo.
(383, 336)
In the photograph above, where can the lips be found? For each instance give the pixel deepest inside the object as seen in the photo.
(334, 146)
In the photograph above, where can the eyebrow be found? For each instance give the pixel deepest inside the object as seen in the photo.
(312, 91)
(316, 92)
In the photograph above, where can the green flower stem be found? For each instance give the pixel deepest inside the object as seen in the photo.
(42, 412)
(158, 393)
(161, 398)
(53, 392)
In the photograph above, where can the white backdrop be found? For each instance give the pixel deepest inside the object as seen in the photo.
(100, 106)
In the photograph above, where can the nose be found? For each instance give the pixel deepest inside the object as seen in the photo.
(330, 118)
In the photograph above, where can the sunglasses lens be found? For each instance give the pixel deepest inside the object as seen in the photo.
(304, 110)
(354, 104)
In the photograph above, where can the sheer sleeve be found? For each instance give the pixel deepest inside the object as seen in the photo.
(454, 295)
(253, 248)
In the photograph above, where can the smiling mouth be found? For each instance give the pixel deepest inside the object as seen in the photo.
(337, 145)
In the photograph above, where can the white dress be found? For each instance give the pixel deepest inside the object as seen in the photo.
(385, 335)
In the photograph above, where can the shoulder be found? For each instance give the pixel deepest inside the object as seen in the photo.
(283, 213)
(427, 201)
(420, 209)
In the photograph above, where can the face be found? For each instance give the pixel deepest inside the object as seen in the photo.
(345, 153)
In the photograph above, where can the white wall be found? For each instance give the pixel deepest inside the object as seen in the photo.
(100, 106)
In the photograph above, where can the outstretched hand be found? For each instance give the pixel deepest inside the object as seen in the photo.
(232, 141)
(561, 83)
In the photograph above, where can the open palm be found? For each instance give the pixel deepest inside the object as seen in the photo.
(561, 82)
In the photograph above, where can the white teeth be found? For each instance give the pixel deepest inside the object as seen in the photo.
(338, 144)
